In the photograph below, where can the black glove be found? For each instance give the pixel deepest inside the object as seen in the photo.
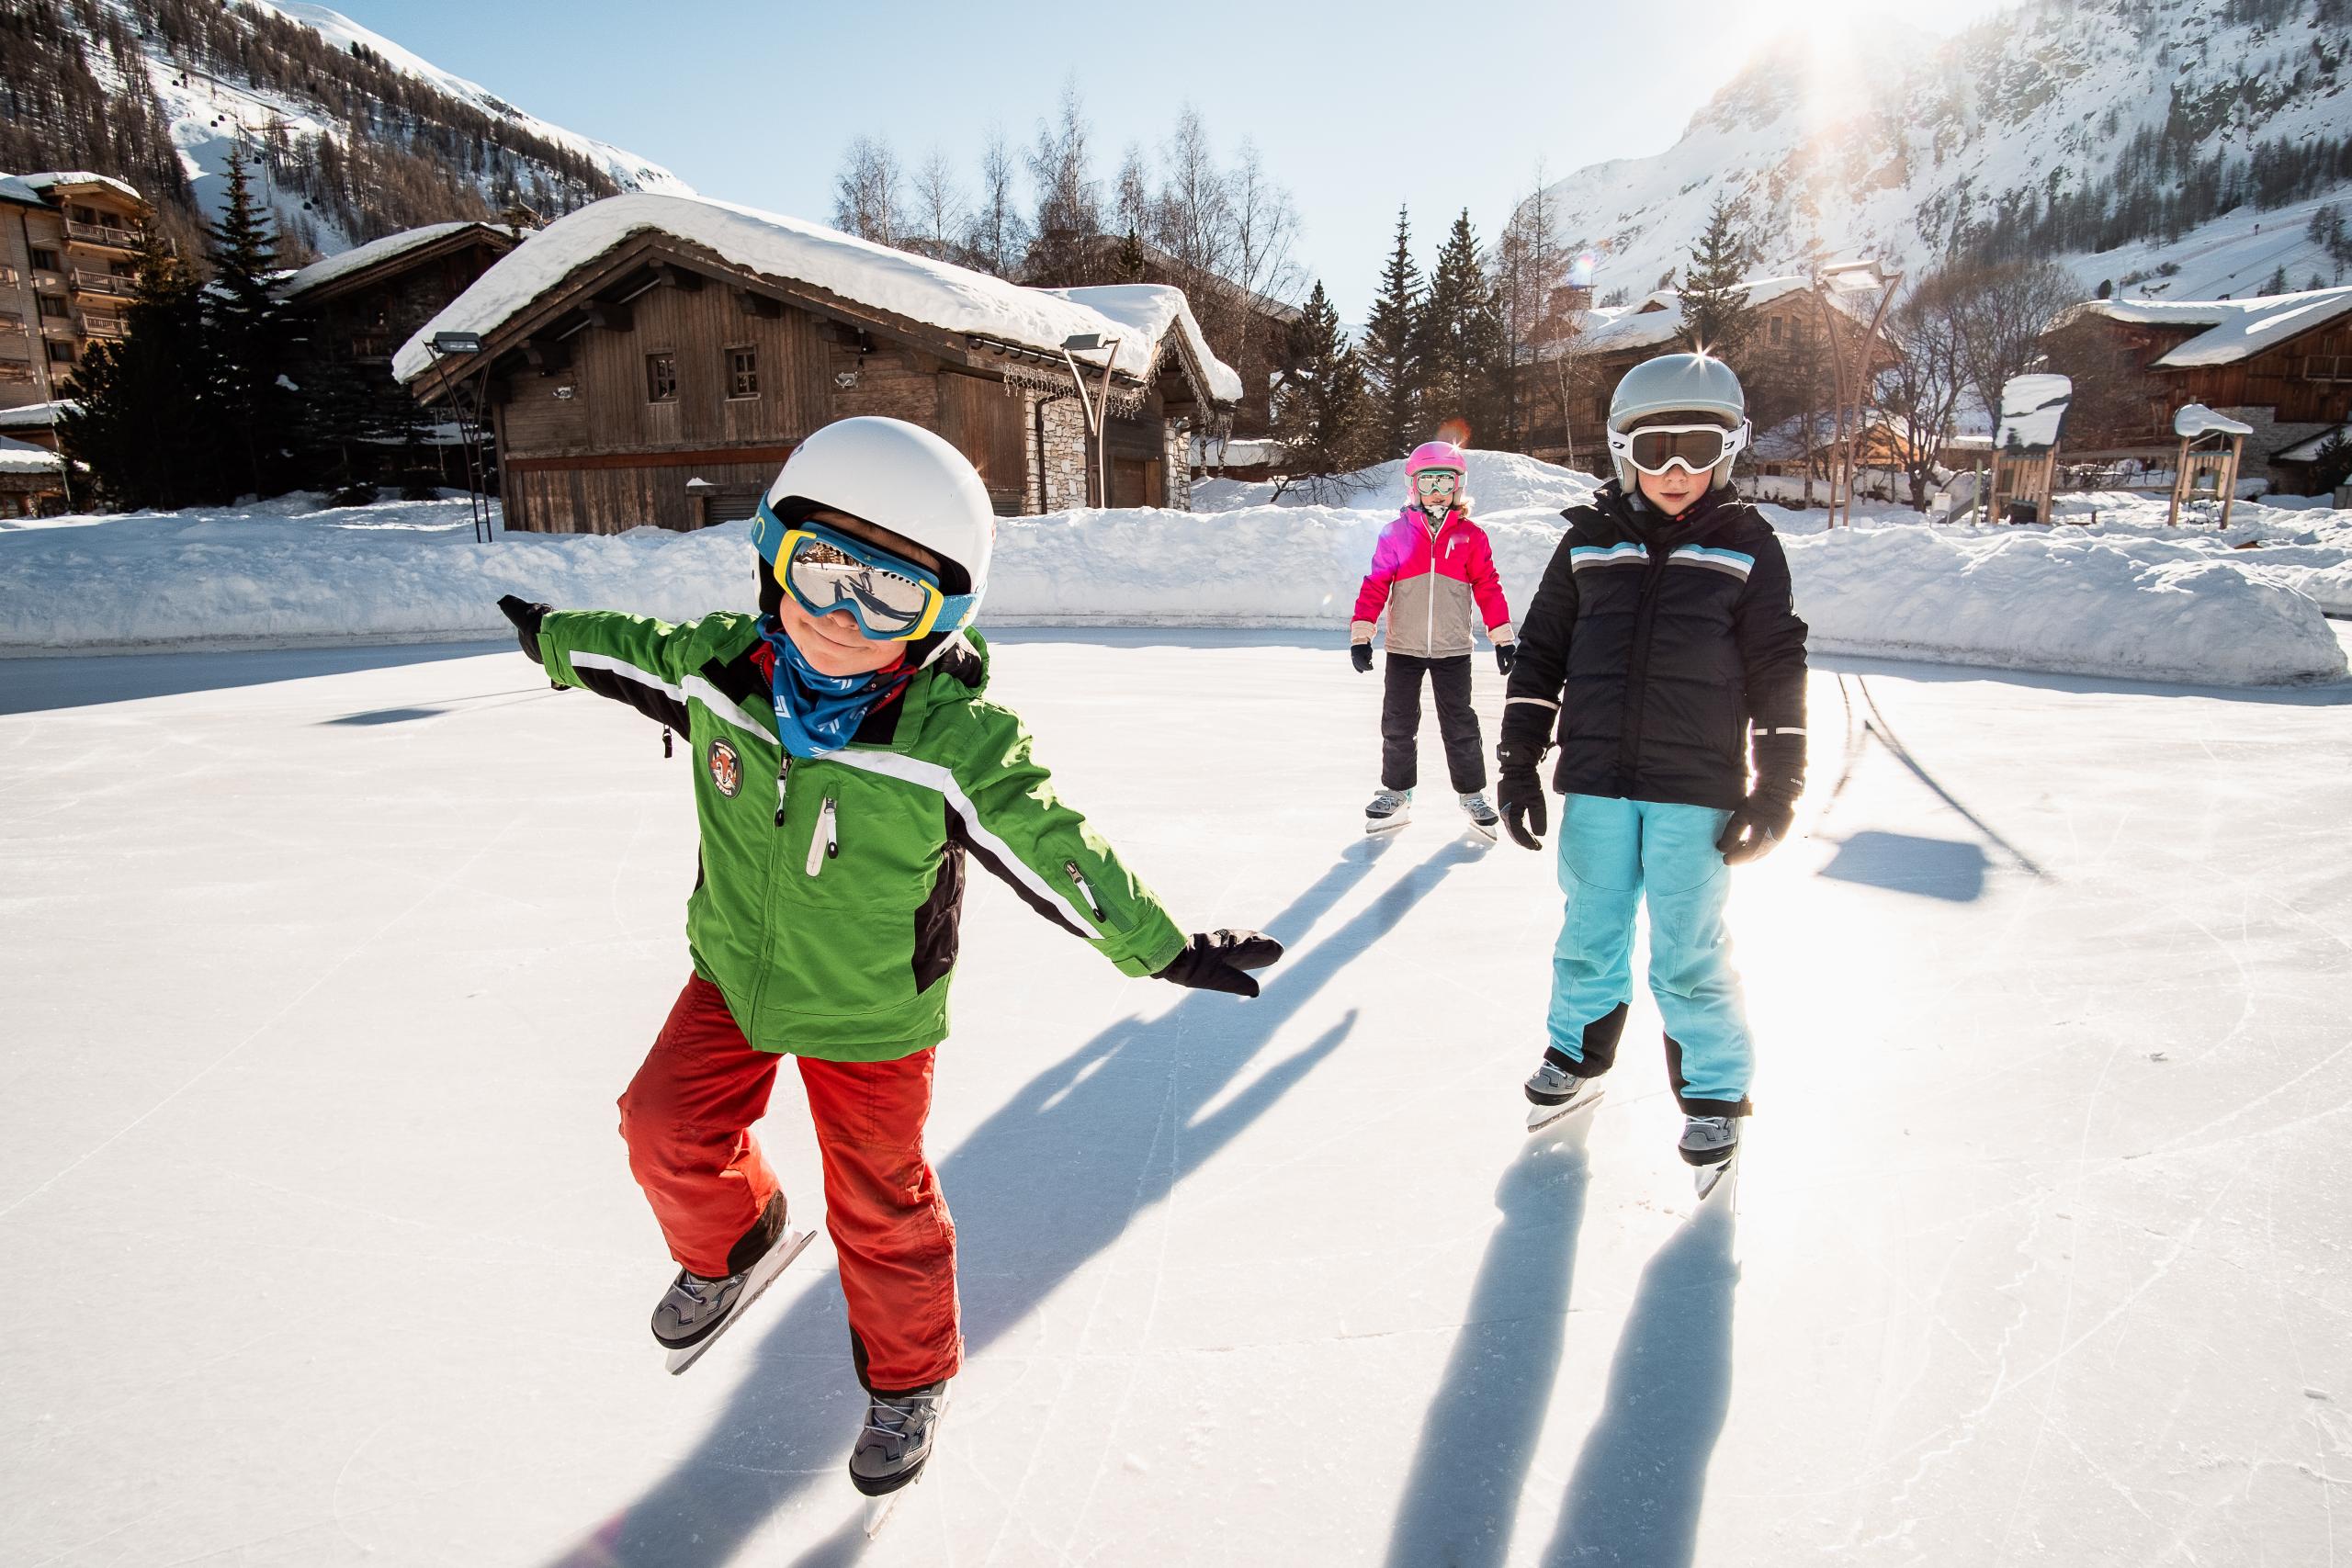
(1758, 824)
(1504, 654)
(1519, 793)
(1360, 653)
(1217, 960)
(526, 617)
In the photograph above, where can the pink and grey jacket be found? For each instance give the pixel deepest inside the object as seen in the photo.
(1438, 588)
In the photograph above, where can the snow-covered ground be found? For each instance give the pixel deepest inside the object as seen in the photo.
(2124, 596)
(321, 969)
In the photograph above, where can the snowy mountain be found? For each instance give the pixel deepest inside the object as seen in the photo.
(352, 135)
(2173, 147)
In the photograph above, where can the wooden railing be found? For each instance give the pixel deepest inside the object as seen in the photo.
(106, 234)
(103, 326)
(101, 283)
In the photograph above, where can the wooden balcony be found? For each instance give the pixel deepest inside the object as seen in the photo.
(12, 322)
(103, 326)
(16, 371)
(105, 235)
(88, 282)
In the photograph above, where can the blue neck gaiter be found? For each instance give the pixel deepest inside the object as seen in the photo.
(817, 713)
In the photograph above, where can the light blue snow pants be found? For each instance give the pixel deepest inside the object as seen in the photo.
(1612, 854)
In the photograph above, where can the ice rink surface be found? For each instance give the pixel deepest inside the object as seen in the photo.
(319, 972)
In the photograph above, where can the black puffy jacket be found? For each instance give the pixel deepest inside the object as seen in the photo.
(1658, 651)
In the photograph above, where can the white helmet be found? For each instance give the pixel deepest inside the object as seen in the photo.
(1695, 384)
(900, 477)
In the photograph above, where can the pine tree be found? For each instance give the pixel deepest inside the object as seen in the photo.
(1714, 304)
(1131, 258)
(1465, 350)
(252, 337)
(1320, 408)
(1392, 349)
(147, 419)
(2277, 283)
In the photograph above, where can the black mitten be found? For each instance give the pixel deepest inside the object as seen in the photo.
(1506, 653)
(1218, 961)
(526, 617)
(1361, 652)
(1760, 822)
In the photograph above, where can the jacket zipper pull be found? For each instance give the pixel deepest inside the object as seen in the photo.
(1085, 892)
(783, 777)
(824, 844)
(665, 743)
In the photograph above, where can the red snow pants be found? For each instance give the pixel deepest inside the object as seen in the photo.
(687, 1117)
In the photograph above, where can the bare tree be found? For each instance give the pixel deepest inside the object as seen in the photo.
(998, 236)
(1919, 395)
(1192, 217)
(1069, 200)
(1998, 314)
(867, 191)
(1133, 192)
(1265, 227)
(1542, 315)
(936, 209)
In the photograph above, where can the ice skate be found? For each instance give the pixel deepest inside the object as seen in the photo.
(891, 1451)
(1389, 810)
(696, 1311)
(1553, 1092)
(1711, 1146)
(1481, 814)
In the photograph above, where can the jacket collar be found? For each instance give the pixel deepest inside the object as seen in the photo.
(956, 675)
(1632, 517)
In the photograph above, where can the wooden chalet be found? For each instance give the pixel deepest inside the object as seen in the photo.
(654, 359)
(358, 307)
(1783, 364)
(2282, 364)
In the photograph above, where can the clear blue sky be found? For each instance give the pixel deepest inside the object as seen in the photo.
(1357, 105)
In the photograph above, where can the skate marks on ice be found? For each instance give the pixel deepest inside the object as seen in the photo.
(1639, 1482)
(1136, 1094)
(1864, 728)
(1482, 1428)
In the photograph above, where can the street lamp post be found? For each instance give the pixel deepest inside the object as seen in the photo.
(1096, 408)
(468, 429)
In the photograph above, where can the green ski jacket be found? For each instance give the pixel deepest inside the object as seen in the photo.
(831, 886)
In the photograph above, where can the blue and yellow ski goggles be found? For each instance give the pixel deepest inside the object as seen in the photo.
(824, 569)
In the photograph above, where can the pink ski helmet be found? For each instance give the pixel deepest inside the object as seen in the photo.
(1440, 456)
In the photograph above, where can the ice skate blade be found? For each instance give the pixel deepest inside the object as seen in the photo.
(1542, 1116)
(1480, 833)
(1707, 1178)
(1377, 826)
(764, 1274)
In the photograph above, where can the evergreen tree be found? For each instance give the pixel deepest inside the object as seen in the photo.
(1131, 258)
(2277, 283)
(147, 420)
(1392, 349)
(1320, 408)
(1465, 352)
(252, 337)
(1715, 305)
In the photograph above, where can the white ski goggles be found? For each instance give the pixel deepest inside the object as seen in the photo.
(1694, 448)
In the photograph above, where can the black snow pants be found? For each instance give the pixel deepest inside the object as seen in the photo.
(1457, 722)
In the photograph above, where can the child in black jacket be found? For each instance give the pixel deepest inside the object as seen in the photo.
(1663, 653)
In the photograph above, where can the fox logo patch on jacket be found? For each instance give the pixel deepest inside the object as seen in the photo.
(1438, 584)
(1663, 655)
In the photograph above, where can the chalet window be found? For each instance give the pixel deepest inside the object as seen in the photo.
(60, 353)
(1776, 331)
(742, 372)
(44, 261)
(51, 305)
(2328, 367)
(661, 378)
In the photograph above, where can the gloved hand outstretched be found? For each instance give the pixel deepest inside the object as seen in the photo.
(1504, 654)
(1519, 795)
(1360, 653)
(1759, 823)
(526, 617)
(1220, 960)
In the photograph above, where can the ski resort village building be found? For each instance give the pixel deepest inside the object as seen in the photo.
(361, 305)
(69, 253)
(2282, 364)
(654, 359)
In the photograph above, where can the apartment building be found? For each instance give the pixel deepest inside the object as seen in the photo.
(69, 252)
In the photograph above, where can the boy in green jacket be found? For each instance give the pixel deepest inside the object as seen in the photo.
(845, 764)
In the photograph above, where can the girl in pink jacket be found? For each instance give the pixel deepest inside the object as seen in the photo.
(1434, 570)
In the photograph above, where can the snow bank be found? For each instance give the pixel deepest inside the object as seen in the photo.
(2121, 600)
(1500, 483)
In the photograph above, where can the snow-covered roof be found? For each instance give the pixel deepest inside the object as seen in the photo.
(1152, 310)
(321, 273)
(53, 177)
(24, 457)
(37, 415)
(2196, 419)
(1658, 320)
(2307, 451)
(788, 250)
(1235, 452)
(2234, 328)
(14, 189)
(2033, 407)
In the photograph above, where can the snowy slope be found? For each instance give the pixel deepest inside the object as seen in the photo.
(322, 972)
(1876, 142)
